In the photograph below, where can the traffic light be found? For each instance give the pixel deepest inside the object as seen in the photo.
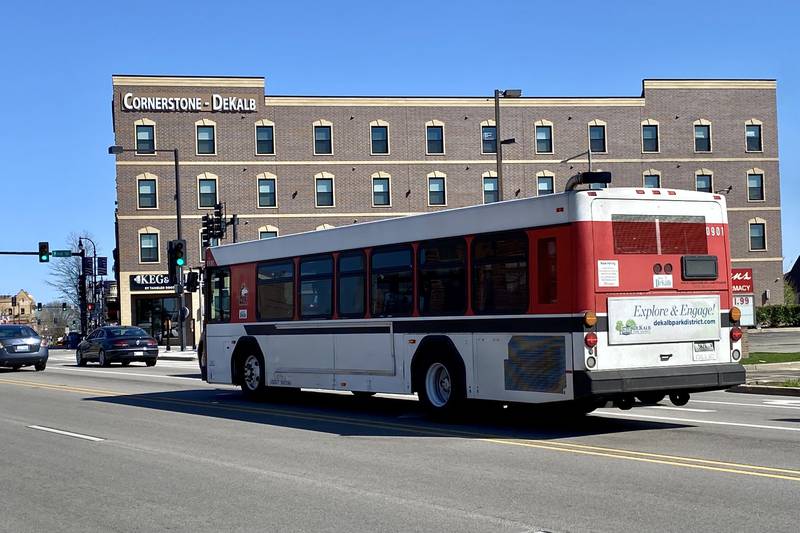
(218, 222)
(176, 253)
(44, 252)
(39, 306)
(63, 306)
(205, 233)
(192, 281)
(13, 301)
(90, 307)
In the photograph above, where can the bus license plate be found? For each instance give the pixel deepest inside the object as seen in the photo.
(704, 351)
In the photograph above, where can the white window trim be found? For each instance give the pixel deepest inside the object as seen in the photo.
(325, 175)
(148, 122)
(267, 176)
(207, 176)
(703, 172)
(380, 175)
(146, 176)
(322, 123)
(268, 227)
(486, 124)
(651, 122)
(490, 174)
(757, 220)
(149, 230)
(703, 122)
(545, 174)
(264, 122)
(597, 122)
(205, 122)
(544, 122)
(435, 174)
(754, 122)
(755, 170)
(654, 172)
(384, 124)
(444, 137)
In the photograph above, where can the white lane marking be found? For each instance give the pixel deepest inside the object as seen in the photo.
(67, 433)
(670, 408)
(744, 404)
(791, 403)
(118, 373)
(696, 421)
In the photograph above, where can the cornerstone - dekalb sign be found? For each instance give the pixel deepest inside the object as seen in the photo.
(217, 103)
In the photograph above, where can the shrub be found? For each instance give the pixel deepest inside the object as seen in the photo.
(773, 316)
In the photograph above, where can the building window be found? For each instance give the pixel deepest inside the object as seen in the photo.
(491, 189)
(324, 190)
(267, 234)
(148, 247)
(488, 139)
(649, 138)
(381, 195)
(392, 282)
(265, 140)
(434, 132)
(148, 198)
(379, 138)
(322, 139)
(652, 181)
(758, 238)
(755, 186)
(207, 191)
(206, 138)
(704, 182)
(266, 192)
(702, 137)
(753, 137)
(316, 287)
(437, 194)
(145, 139)
(544, 183)
(597, 137)
(544, 139)
(275, 290)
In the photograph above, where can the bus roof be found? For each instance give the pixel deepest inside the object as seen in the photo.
(552, 209)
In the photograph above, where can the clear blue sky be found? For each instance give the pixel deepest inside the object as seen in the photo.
(55, 77)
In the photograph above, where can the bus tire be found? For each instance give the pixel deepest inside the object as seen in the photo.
(252, 375)
(441, 385)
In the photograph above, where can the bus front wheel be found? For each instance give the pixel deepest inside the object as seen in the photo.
(252, 376)
(441, 386)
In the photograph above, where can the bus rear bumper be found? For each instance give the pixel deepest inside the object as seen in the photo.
(694, 378)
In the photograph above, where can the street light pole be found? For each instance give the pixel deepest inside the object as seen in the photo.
(508, 93)
(94, 269)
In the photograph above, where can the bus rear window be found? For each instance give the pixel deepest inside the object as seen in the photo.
(659, 235)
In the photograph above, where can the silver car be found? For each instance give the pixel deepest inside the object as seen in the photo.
(21, 346)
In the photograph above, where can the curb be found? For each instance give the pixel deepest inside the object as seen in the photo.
(766, 389)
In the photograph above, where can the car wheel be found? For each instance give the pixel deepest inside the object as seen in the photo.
(252, 376)
(126, 363)
(150, 362)
(79, 360)
(40, 366)
(441, 386)
(102, 359)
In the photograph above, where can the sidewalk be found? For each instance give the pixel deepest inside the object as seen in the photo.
(175, 354)
(762, 379)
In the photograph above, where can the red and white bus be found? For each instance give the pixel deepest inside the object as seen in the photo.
(587, 296)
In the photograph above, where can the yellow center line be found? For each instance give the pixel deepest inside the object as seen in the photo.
(581, 449)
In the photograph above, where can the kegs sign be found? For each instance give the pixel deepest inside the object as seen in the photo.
(150, 282)
(742, 280)
(217, 103)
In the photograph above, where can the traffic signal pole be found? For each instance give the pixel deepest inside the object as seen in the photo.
(179, 281)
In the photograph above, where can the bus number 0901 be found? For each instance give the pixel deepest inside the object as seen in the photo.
(714, 231)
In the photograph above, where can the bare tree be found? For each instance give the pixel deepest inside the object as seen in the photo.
(65, 272)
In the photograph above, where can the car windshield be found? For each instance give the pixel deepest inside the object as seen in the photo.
(15, 332)
(126, 332)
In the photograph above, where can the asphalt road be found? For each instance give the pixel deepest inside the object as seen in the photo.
(775, 341)
(180, 455)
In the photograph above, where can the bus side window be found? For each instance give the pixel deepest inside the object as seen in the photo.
(316, 287)
(547, 268)
(500, 273)
(392, 285)
(442, 275)
(352, 280)
(220, 297)
(275, 290)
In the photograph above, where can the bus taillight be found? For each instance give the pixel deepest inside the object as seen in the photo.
(736, 314)
(590, 319)
(590, 339)
(736, 334)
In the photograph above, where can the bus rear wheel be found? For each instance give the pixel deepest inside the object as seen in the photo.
(252, 376)
(441, 386)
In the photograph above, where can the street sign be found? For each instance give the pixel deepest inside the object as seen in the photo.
(102, 266)
(61, 253)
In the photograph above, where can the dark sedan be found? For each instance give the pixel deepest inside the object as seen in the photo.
(21, 346)
(117, 343)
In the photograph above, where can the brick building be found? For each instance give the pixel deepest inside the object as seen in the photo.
(287, 164)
